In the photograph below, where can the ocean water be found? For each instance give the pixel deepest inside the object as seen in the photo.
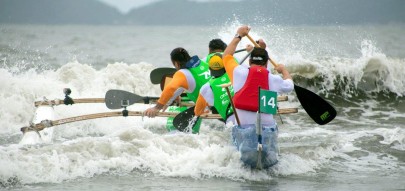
(359, 69)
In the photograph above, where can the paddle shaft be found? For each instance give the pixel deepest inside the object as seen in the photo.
(233, 106)
(244, 58)
(241, 50)
(257, 45)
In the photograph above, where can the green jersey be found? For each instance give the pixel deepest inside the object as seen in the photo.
(222, 101)
(201, 76)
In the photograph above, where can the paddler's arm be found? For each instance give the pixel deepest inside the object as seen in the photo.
(282, 70)
(200, 105)
(240, 33)
(228, 59)
(179, 81)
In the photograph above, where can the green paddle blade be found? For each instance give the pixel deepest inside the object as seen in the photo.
(316, 107)
(116, 99)
(157, 74)
(184, 119)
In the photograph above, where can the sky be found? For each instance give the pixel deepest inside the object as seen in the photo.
(126, 5)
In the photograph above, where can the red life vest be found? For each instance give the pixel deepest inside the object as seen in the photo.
(247, 98)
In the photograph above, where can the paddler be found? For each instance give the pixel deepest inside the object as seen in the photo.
(213, 94)
(191, 74)
(256, 135)
(246, 81)
(184, 79)
(215, 46)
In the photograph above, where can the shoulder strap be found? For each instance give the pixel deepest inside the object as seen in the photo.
(193, 62)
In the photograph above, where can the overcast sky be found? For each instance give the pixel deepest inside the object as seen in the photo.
(126, 5)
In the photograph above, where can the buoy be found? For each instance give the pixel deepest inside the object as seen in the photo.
(44, 112)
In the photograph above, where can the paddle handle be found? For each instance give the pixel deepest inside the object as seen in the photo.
(257, 45)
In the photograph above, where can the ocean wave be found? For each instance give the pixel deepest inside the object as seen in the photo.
(368, 75)
(323, 61)
(22, 88)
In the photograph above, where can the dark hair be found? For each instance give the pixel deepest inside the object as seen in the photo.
(217, 44)
(180, 55)
(259, 56)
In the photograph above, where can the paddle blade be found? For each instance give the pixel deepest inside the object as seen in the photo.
(316, 107)
(157, 74)
(116, 99)
(184, 119)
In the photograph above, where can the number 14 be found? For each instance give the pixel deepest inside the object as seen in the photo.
(271, 102)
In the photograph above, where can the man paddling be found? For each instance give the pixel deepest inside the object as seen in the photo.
(256, 135)
(191, 74)
(215, 46)
(212, 94)
(185, 82)
(246, 81)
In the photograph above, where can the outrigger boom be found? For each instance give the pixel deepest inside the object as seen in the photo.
(115, 99)
(50, 123)
(146, 100)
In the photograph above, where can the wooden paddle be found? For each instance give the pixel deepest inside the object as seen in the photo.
(226, 86)
(157, 74)
(315, 106)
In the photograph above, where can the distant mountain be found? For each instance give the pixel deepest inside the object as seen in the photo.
(289, 12)
(184, 12)
(58, 12)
